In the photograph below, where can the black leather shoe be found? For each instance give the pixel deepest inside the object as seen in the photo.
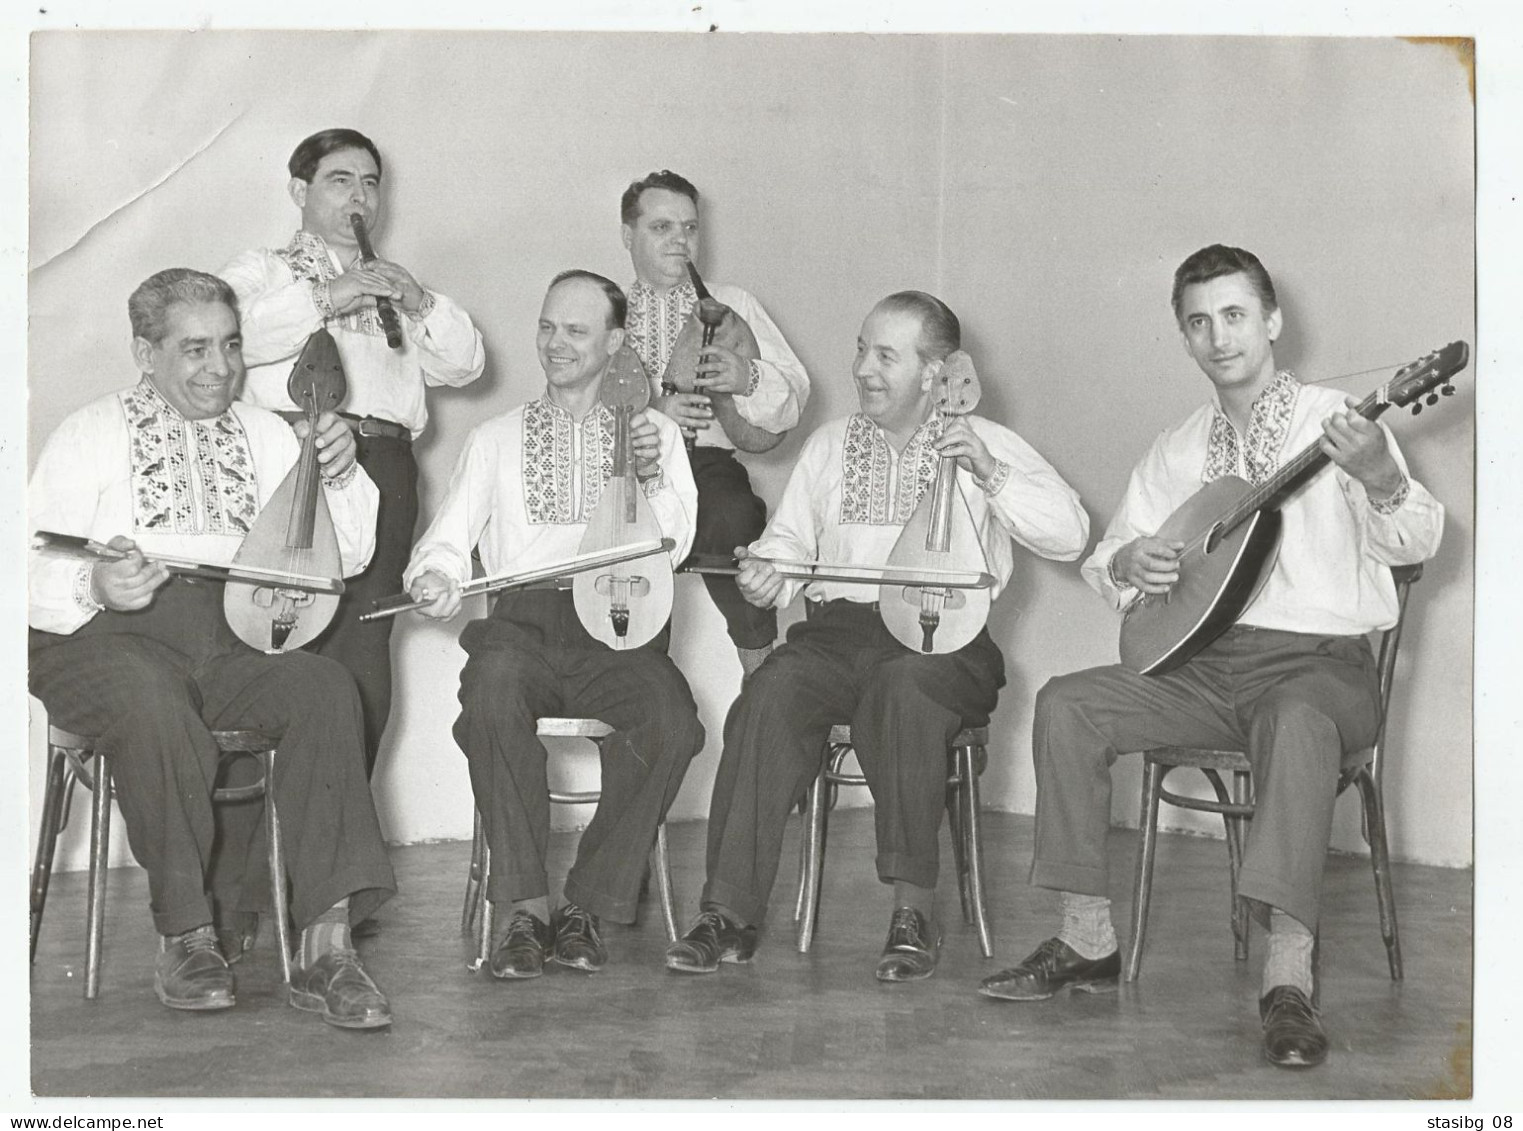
(713, 939)
(190, 972)
(237, 935)
(577, 942)
(1293, 1035)
(911, 950)
(337, 986)
(523, 950)
(1051, 967)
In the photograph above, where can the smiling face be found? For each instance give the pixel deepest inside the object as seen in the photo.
(663, 237)
(198, 365)
(1229, 333)
(574, 340)
(347, 181)
(893, 383)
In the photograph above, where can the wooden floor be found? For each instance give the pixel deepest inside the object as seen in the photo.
(789, 1026)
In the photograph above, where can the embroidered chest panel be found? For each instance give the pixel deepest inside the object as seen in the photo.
(873, 490)
(1264, 445)
(555, 449)
(188, 476)
(307, 257)
(653, 323)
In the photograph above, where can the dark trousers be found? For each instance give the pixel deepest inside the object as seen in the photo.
(842, 666)
(730, 515)
(1295, 703)
(532, 659)
(151, 686)
(365, 649)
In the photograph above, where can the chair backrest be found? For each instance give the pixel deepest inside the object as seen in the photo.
(1390, 642)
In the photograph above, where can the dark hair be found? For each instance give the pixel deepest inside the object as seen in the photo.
(1217, 260)
(148, 308)
(629, 203)
(940, 332)
(306, 157)
(617, 302)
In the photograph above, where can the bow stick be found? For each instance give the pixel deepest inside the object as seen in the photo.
(835, 571)
(85, 549)
(402, 602)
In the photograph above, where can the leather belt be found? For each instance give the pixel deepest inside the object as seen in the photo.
(360, 425)
(375, 426)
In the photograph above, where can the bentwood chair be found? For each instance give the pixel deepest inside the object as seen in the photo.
(966, 758)
(1362, 768)
(478, 908)
(72, 758)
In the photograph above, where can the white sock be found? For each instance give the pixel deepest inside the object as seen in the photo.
(1289, 960)
(327, 933)
(1087, 924)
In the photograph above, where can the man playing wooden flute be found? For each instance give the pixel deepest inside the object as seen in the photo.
(148, 665)
(857, 482)
(522, 493)
(755, 398)
(1293, 683)
(321, 279)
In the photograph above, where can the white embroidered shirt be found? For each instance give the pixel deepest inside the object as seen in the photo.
(782, 386)
(1331, 576)
(528, 481)
(281, 297)
(851, 494)
(130, 464)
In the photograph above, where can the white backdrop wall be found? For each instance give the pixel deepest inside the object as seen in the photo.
(1045, 186)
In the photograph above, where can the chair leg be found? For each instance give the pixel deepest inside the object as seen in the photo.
(100, 844)
(1142, 889)
(484, 913)
(473, 877)
(277, 868)
(813, 863)
(58, 784)
(973, 851)
(663, 869)
(958, 833)
(803, 885)
(1380, 863)
(1241, 922)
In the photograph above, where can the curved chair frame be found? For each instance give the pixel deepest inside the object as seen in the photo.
(967, 756)
(1362, 768)
(479, 909)
(72, 758)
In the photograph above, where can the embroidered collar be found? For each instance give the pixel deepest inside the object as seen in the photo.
(655, 320)
(311, 261)
(309, 257)
(1268, 427)
(188, 476)
(875, 488)
(555, 449)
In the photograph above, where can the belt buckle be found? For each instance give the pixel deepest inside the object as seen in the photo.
(368, 426)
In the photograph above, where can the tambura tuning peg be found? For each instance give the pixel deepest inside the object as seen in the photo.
(1433, 398)
(1447, 390)
(1417, 408)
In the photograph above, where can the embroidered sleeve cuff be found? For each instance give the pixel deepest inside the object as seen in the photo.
(339, 482)
(322, 299)
(425, 308)
(653, 483)
(1393, 504)
(996, 480)
(83, 596)
(755, 379)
